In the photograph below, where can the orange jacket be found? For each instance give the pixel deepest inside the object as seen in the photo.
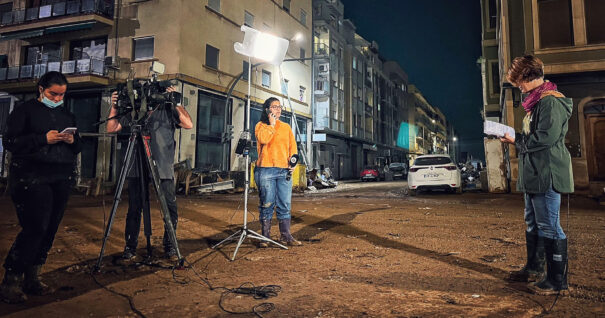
(275, 145)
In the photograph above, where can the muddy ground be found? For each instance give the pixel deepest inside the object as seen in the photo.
(369, 251)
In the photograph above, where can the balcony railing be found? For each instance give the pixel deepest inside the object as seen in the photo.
(74, 67)
(73, 7)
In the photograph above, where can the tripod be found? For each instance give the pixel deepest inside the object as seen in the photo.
(245, 231)
(140, 139)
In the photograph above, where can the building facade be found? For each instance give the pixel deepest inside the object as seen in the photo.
(364, 113)
(569, 37)
(100, 43)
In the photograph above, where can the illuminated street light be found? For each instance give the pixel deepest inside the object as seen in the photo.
(455, 138)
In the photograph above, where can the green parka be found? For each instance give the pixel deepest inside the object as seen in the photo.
(543, 157)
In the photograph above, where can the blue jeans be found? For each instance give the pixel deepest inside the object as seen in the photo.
(542, 214)
(275, 192)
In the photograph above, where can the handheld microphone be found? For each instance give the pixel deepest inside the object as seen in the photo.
(292, 163)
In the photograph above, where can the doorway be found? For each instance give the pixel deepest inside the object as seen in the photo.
(595, 139)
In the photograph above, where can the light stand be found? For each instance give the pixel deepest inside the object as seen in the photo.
(244, 231)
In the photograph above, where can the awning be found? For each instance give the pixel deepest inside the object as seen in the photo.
(22, 35)
(49, 30)
(69, 27)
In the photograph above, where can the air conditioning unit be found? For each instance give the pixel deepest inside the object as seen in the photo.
(324, 68)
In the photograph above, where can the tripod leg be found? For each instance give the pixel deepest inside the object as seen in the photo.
(144, 181)
(118, 194)
(162, 198)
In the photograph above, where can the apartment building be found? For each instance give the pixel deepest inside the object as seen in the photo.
(569, 37)
(364, 112)
(193, 39)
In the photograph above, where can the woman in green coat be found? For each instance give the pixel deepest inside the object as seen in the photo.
(544, 173)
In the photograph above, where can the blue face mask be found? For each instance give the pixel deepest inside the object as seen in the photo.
(50, 104)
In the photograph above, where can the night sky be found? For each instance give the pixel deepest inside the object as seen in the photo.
(437, 43)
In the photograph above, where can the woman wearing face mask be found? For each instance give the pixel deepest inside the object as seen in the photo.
(275, 146)
(42, 171)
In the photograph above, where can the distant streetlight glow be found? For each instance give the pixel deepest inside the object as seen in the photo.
(455, 138)
(297, 37)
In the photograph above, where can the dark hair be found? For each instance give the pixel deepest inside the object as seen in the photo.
(52, 78)
(525, 69)
(264, 116)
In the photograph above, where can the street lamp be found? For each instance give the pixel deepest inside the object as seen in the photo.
(270, 49)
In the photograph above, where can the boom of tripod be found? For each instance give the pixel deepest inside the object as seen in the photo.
(141, 140)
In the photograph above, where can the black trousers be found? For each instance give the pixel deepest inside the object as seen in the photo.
(40, 208)
(138, 199)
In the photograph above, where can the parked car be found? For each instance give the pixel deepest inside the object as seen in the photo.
(370, 174)
(399, 170)
(434, 172)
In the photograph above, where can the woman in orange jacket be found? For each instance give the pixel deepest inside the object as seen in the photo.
(275, 146)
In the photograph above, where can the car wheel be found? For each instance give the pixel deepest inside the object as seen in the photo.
(412, 192)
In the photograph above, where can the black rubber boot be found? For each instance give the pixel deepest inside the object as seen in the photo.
(32, 284)
(286, 237)
(556, 269)
(533, 270)
(10, 289)
(265, 227)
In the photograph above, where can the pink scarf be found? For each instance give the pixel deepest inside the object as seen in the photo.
(534, 96)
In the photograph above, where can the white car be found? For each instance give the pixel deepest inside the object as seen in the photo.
(434, 172)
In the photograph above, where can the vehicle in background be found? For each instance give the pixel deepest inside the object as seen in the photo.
(370, 174)
(399, 170)
(434, 172)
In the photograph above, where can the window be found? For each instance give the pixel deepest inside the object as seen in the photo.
(95, 48)
(303, 17)
(212, 56)
(555, 27)
(245, 70)
(495, 70)
(492, 14)
(215, 5)
(248, 19)
(284, 87)
(48, 52)
(302, 54)
(301, 96)
(287, 5)
(210, 126)
(595, 24)
(266, 78)
(143, 48)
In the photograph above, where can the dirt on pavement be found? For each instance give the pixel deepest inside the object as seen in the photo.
(369, 251)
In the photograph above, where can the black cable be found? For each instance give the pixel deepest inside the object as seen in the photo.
(129, 298)
(247, 288)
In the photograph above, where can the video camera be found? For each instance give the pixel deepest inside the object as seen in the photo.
(146, 94)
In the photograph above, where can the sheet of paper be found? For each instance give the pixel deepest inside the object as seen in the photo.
(496, 129)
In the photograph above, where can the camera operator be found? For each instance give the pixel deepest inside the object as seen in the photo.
(276, 145)
(161, 124)
(42, 171)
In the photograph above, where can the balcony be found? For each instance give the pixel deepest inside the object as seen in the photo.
(56, 18)
(321, 49)
(80, 73)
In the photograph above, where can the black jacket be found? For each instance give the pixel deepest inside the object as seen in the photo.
(25, 137)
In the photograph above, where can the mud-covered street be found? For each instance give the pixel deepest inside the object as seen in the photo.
(369, 251)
